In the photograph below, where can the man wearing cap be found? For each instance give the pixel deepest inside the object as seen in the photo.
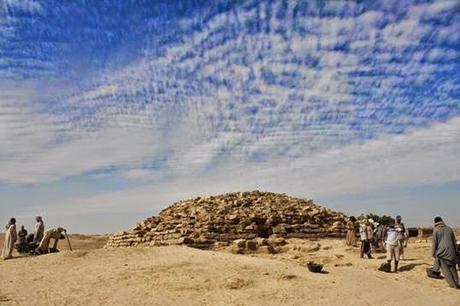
(393, 245)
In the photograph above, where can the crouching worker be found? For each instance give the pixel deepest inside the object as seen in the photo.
(54, 233)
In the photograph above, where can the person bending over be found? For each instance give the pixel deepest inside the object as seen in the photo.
(54, 233)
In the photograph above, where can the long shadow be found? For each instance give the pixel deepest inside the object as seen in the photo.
(408, 267)
(321, 272)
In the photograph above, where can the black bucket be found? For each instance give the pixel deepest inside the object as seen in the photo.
(314, 267)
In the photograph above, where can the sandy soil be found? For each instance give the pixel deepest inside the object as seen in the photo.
(183, 276)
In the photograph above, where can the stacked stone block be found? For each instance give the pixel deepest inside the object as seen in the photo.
(206, 221)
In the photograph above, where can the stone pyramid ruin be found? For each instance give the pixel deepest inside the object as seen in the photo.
(204, 222)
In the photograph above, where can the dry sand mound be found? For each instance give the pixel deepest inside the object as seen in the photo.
(201, 222)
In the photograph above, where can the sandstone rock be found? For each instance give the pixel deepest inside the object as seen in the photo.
(279, 229)
(185, 240)
(240, 243)
(261, 241)
(266, 249)
(238, 246)
(277, 241)
(251, 245)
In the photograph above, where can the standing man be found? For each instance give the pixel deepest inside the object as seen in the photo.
(379, 236)
(37, 235)
(402, 229)
(365, 244)
(10, 238)
(444, 251)
(39, 230)
(393, 245)
(351, 232)
(370, 233)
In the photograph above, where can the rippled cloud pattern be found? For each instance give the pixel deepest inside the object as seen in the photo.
(157, 90)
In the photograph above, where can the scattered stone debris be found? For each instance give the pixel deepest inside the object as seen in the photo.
(243, 221)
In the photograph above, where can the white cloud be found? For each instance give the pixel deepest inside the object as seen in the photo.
(302, 110)
(428, 10)
(37, 148)
(106, 148)
(141, 174)
(304, 44)
(422, 157)
(371, 19)
(405, 33)
(24, 5)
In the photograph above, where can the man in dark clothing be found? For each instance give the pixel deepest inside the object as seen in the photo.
(444, 251)
(22, 234)
(402, 229)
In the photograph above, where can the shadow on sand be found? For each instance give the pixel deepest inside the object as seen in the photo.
(408, 267)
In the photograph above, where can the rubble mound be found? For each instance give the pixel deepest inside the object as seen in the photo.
(205, 222)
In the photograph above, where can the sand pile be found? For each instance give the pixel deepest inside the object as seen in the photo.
(205, 222)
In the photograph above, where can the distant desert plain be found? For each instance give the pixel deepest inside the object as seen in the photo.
(180, 275)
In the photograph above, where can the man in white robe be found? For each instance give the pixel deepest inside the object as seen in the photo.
(54, 233)
(39, 230)
(11, 236)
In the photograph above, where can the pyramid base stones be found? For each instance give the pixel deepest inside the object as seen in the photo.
(241, 220)
(258, 245)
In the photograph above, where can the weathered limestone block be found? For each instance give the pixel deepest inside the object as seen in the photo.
(266, 249)
(251, 245)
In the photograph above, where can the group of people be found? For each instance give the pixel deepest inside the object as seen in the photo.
(374, 236)
(393, 239)
(39, 239)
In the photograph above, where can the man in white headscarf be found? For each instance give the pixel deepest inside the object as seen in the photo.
(11, 236)
(54, 233)
(38, 233)
(39, 229)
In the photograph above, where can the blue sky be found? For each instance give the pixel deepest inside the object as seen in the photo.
(111, 110)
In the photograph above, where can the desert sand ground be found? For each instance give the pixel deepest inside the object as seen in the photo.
(178, 275)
